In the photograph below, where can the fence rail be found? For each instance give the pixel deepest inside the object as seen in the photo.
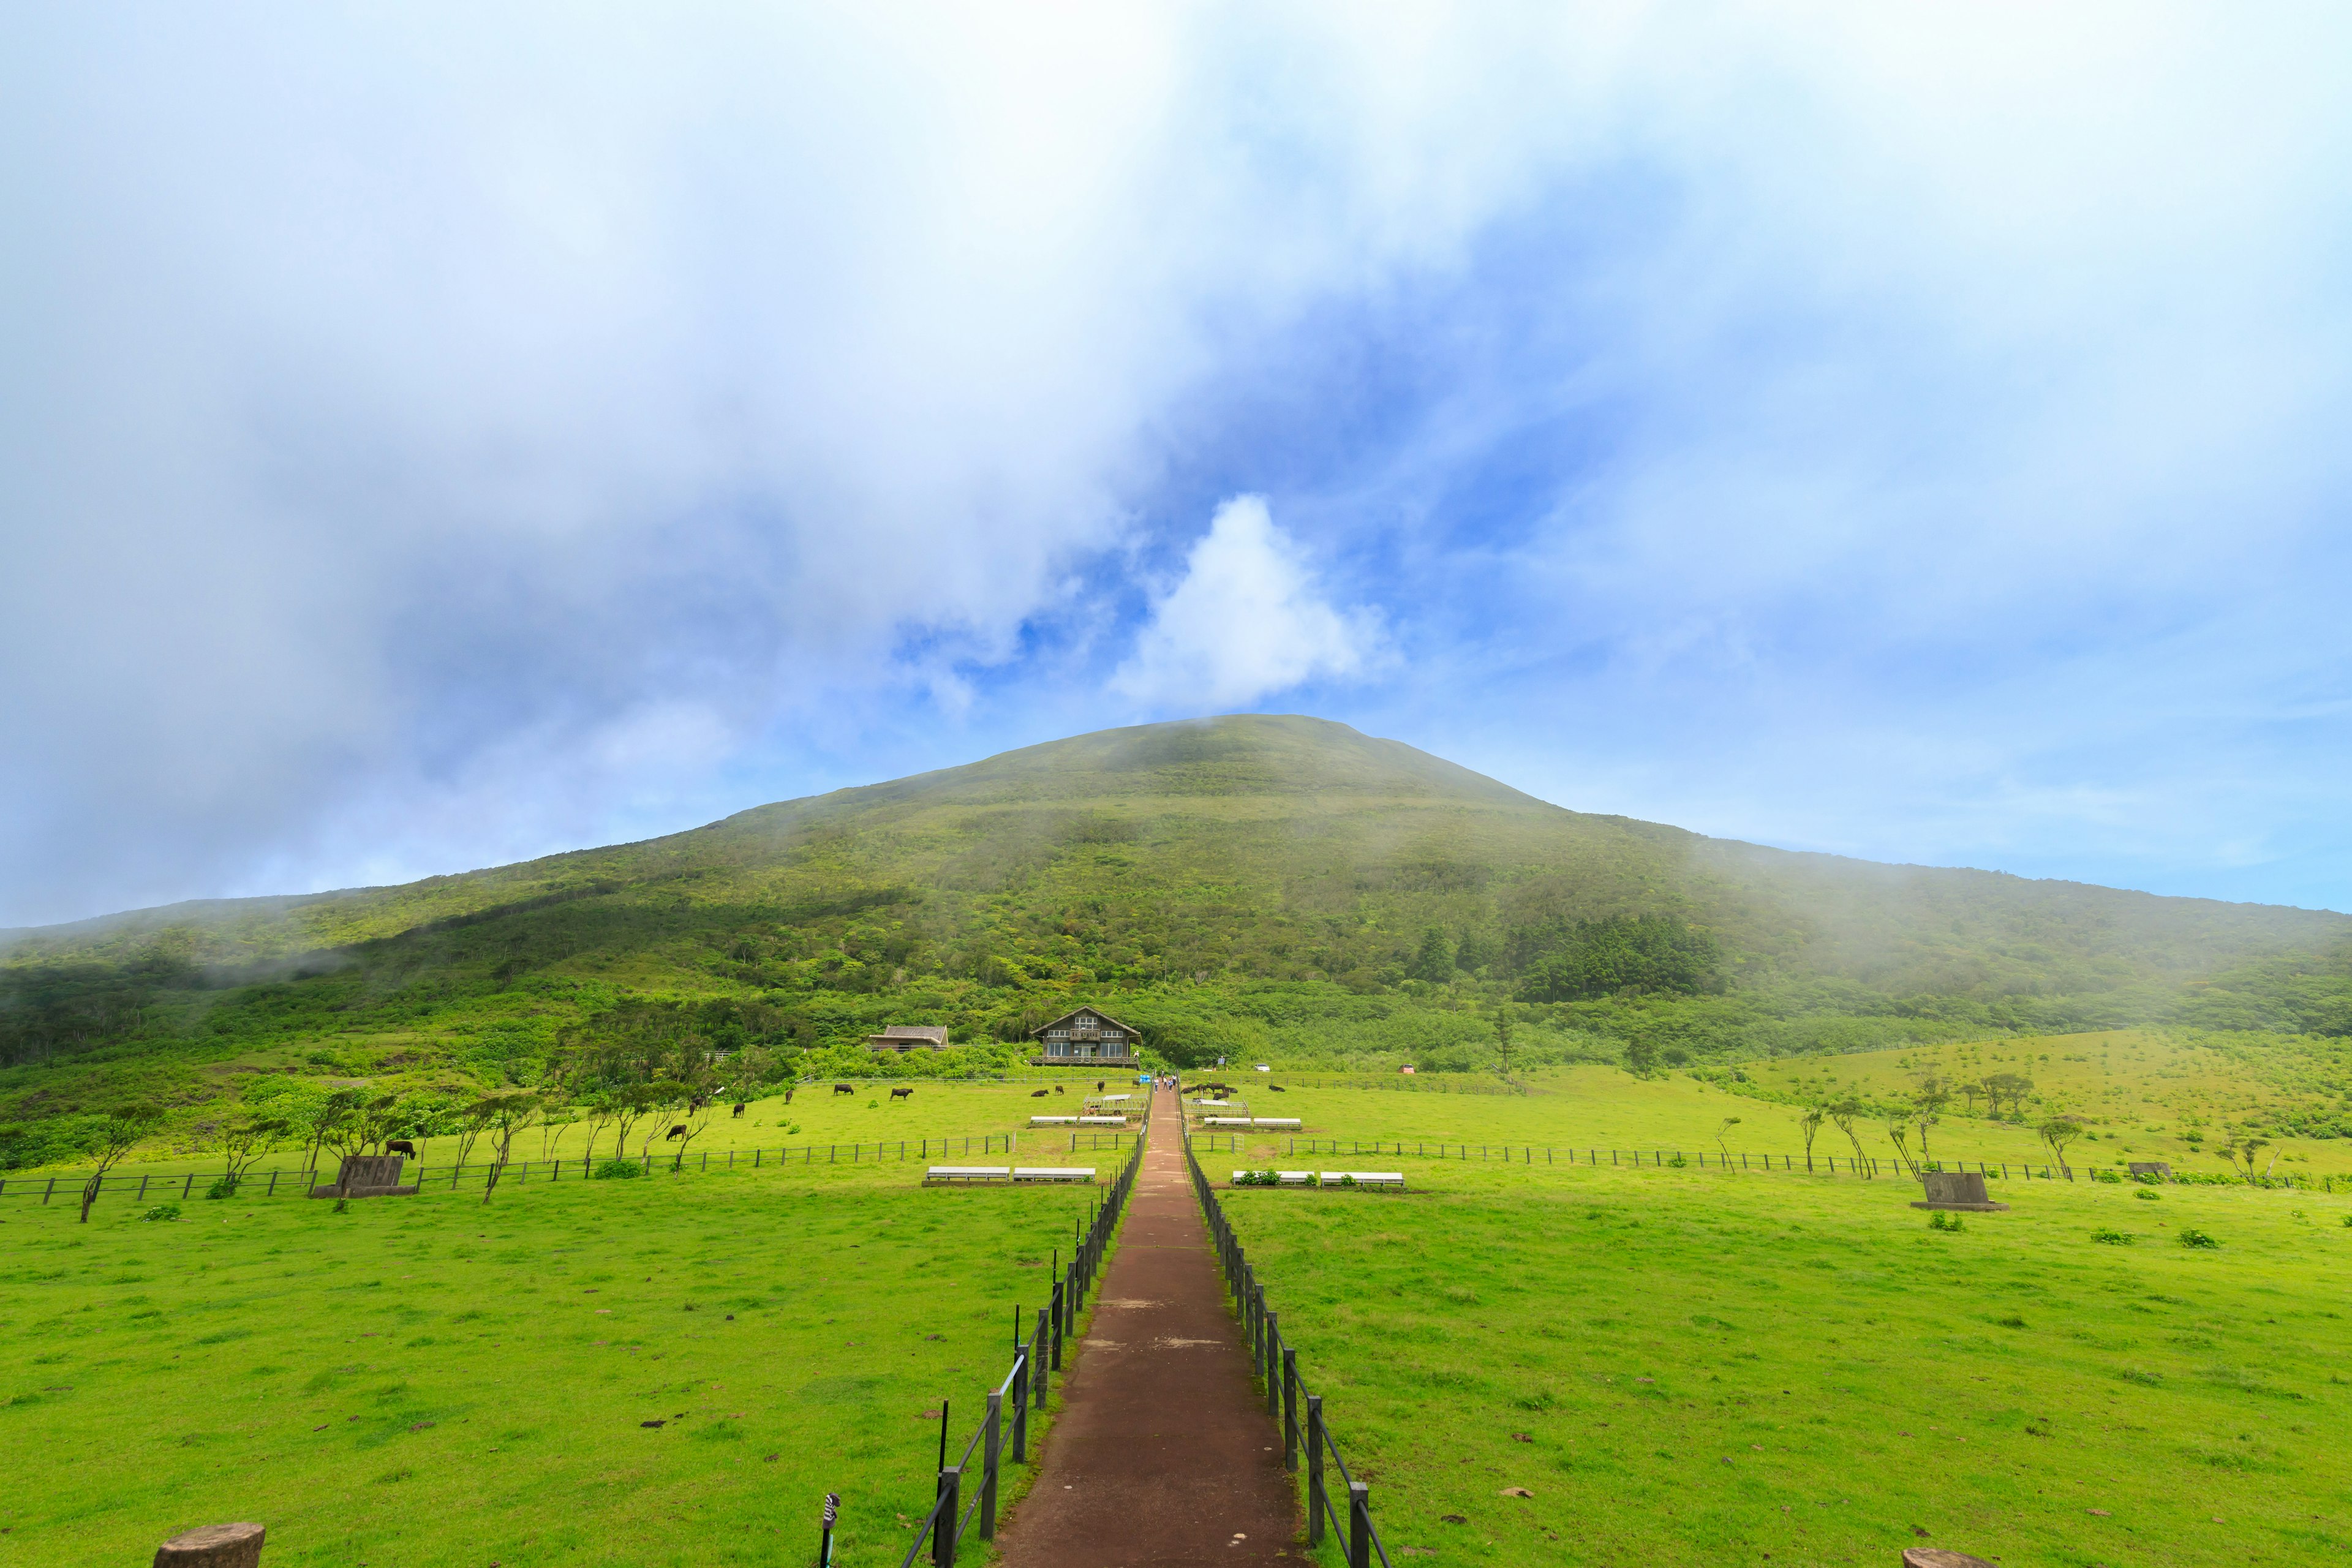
(951, 1516)
(297, 1182)
(1275, 1365)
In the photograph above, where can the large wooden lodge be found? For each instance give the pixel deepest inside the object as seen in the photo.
(1088, 1035)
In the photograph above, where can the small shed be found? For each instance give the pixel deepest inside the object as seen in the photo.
(910, 1037)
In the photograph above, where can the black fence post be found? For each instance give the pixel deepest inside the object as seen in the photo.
(943, 1534)
(1359, 1525)
(1061, 1290)
(1317, 1504)
(1272, 1377)
(1037, 1343)
(1290, 1409)
(991, 1447)
(1020, 1411)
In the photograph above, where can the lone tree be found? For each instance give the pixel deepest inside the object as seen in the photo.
(500, 1115)
(1641, 1059)
(1933, 1096)
(1844, 1112)
(1898, 1132)
(1503, 1042)
(2242, 1145)
(1726, 1125)
(112, 1141)
(1810, 1124)
(242, 1139)
(2057, 1133)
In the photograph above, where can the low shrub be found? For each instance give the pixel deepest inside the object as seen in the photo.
(2152, 1197)
(1942, 1221)
(616, 1170)
(2110, 1177)
(221, 1187)
(2112, 1237)
(163, 1211)
(2193, 1237)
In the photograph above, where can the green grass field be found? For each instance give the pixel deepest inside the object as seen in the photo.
(1705, 1367)
(2131, 1080)
(432, 1381)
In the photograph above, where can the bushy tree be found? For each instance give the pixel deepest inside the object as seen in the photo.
(1625, 954)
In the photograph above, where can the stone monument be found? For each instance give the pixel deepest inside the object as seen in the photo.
(1963, 1190)
(214, 1546)
(367, 1177)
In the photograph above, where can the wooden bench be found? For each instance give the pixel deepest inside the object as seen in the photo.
(967, 1174)
(1055, 1174)
(1364, 1178)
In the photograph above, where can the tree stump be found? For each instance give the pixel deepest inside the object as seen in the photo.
(1936, 1557)
(214, 1546)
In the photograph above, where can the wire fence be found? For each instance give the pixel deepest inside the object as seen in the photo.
(297, 1181)
(1275, 1365)
(1035, 1361)
(1705, 1160)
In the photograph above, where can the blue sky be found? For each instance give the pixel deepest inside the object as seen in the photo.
(437, 439)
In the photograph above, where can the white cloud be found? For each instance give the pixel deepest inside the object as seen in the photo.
(1247, 620)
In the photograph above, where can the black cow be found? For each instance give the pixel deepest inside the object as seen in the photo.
(1277, 1089)
(902, 1094)
(788, 1092)
(401, 1146)
(676, 1131)
(1057, 1088)
(845, 1089)
(740, 1107)
(1098, 1086)
(1037, 1094)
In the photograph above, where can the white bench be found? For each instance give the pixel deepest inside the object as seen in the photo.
(1210, 1104)
(1224, 1121)
(1364, 1178)
(1291, 1121)
(1053, 1174)
(1102, 1120)
(1052, 1122)
(968, 1173)
(1114, 1099)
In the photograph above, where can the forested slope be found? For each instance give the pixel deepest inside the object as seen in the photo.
(1247, 883)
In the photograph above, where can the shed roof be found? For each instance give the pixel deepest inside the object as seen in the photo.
(1064, 1021)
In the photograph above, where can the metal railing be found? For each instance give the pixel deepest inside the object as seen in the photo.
(1275, 1364)
(951, 1518)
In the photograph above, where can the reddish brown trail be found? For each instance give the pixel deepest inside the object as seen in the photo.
(1164, 1454)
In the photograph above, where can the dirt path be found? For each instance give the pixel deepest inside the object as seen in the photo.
(1163, 1454)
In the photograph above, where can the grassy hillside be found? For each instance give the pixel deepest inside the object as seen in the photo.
(1279, 886)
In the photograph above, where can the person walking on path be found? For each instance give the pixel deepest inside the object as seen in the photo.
(1163, 1456)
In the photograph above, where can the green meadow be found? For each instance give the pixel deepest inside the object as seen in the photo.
(1687, 1366)
(435, 1381)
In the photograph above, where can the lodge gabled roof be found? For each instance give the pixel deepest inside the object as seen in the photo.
(1064, 1021)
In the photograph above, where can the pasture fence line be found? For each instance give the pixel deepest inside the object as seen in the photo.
(1678, 1159)
(520, 1171)
(1275, 1364)
(1035, 1361)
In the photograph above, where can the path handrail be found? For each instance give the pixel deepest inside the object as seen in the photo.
(1035, 1361)
(1273, 1362)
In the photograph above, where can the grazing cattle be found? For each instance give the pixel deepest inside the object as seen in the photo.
(1037, 1094)
(1057, 1088)
(1098, 1086)
(676, 1131)
(740, 1107)
(902, 1094)
(401, 1146)
(1277, 1089)
(788, 1092)
(845, 1089)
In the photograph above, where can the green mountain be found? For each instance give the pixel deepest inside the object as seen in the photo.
(1261, 884)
